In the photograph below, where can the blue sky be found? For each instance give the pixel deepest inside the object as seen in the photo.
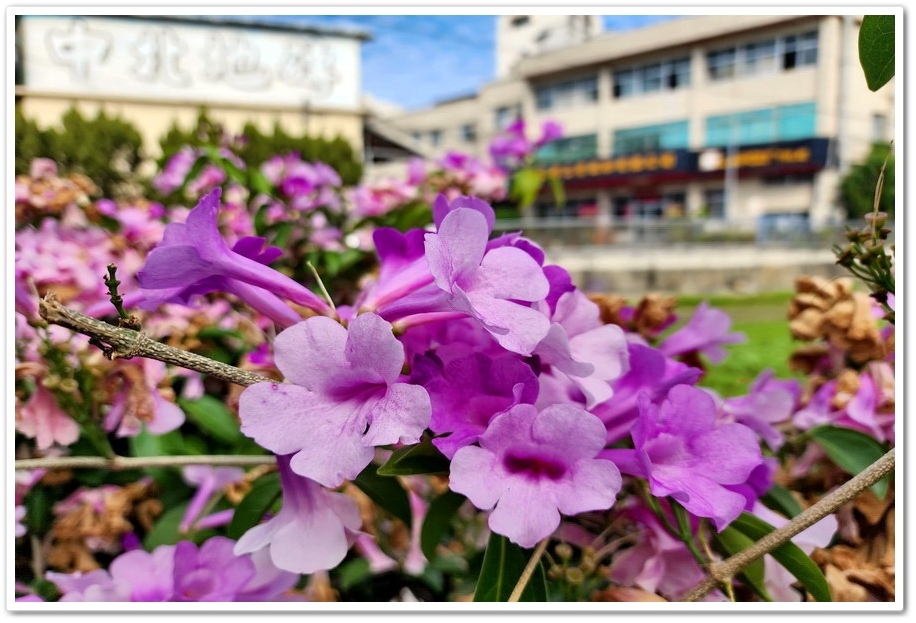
(416, 60)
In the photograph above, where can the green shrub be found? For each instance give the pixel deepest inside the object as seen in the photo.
(857, 190)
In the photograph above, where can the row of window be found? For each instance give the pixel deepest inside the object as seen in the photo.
(765, 125)
(763, 56)
(466, 132)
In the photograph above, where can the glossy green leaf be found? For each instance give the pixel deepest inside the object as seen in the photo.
(212, 416)
(386, 492)
(788, 555)
(264, 493)
(503, 564)
(852, 451)
(732, 541)
(438, 520)
(876, 49)
(781, 500)
(165, 530)
(421, 458)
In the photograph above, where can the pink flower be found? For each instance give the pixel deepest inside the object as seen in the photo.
(343, 400)
(531, 466)
(313, 530)
(43, 420)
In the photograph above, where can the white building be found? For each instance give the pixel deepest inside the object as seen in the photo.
(740, 118)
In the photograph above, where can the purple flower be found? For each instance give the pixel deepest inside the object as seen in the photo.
(550, 131)
(649, 371)
(582, 350)
(682, 453)
(175, 171)
(182, 572)
(532, 466)
(208, 480)
(211, 573)
(487, 285)
(344, 398)
(313, 530)
(769, 401)
(466, 393)
(706, 332)
(192, 255)
(658, 562)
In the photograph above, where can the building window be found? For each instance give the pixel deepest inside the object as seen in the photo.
(789, 179)
(760, 57)
(800, 50)
(651, 138)
(417, 137)
(506, 116)
(714, 203)
(435, 137)
(468, 132)
(766, 125)
(763, 56)
(567, 94)
(669, 74)
(878, 128)
(721, 63)
(520, 20)
(569, 149)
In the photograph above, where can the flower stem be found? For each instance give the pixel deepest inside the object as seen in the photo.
(529, 570)
(126, 343)
(722, 571)
(131, 462)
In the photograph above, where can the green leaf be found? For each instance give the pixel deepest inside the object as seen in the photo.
(386, 492)
(438, 520)
(421, 458)
(876, 49)
(732, 541)
(556, 187)
(213, 417)
(852, 451)
(788, 555)
(503, 564)
(165, 530)
(260, 183)
(219, 332)
(782, 501)
(264, 493)
(526, 183)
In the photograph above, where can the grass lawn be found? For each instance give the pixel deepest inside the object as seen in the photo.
(763, 320)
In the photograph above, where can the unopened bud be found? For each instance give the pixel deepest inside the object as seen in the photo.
(69, 385)
(563, 551)
(52, 381)
(575, 576)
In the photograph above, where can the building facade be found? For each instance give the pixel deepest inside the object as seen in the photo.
(734, 118)
(155, 71)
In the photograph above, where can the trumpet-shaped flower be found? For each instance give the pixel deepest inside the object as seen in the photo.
(193, 254)
(682, 453)
(531, 466)
(706, 332)
(488, 285)
(313, 530)
(343, 400)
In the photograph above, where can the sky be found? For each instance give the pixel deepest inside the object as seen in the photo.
(416, 60)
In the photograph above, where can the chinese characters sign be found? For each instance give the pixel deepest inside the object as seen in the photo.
(168, 60)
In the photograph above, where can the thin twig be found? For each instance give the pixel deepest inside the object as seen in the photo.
(725, 570)
(138, 462)
(529, 570)
(126, 343)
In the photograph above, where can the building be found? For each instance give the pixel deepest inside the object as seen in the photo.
(732, 118)
(155, 71)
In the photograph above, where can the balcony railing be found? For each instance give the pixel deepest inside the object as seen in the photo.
(673, 232)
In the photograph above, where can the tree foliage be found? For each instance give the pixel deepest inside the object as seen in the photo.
(857, 190)
(107, 149)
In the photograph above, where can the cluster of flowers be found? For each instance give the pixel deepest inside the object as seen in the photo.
(543, 409)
